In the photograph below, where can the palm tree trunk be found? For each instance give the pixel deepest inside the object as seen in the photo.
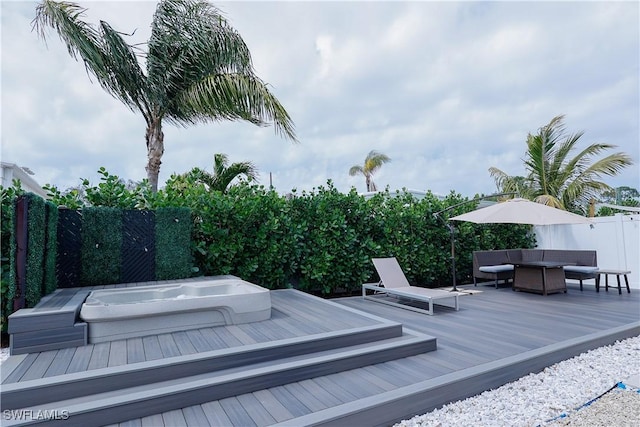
(155, 149)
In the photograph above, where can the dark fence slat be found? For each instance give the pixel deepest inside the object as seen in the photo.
(22, 205)
(69, 248)
(138, 246)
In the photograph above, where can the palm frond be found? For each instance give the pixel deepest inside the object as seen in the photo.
(104, 52)
(374, 161)
(355, 170)
(549, 200)
(234, 171)
(220, 162)
(231, 97)
(191, 41)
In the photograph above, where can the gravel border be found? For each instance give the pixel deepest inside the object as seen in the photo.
(556, 396)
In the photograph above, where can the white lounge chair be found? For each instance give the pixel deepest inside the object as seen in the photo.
(393, 282)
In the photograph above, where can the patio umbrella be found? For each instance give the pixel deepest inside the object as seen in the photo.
(521, 211)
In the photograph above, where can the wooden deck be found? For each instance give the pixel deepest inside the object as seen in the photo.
(317, 362)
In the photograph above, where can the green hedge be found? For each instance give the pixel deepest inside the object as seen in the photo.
(51, 248)
(320, 241)
(173, 243)
(335, 238)
(101, 245)
(8, 252)
(36, 232)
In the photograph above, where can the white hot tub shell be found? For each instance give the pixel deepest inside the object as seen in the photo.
(114, 314)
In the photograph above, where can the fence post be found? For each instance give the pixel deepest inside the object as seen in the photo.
(22, 205)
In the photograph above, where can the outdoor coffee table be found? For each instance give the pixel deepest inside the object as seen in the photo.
(543, 277)
(617, 273)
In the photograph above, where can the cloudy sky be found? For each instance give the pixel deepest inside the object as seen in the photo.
(446, 89)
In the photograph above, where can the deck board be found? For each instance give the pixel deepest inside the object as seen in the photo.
(100, 356)
(168, 345)
(195, 416)
(277, 410)
(258, 413)
(200, 344)
(152, 349)
(215, 414)
(237, 413)
(20, 370)
(290, 401)
(40, 365)
(135, 350)
(80, 359)
(307, 398)
(339, 389)
(61, 362)
(184, 344)
(152, 421)
(227, 337)
(174, 418)
(323, 395)
(118, 353)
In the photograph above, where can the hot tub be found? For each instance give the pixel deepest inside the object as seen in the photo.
(121, 313)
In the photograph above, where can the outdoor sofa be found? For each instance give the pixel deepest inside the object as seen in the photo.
(498, 265)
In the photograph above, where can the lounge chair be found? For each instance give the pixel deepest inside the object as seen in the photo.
(393, 282)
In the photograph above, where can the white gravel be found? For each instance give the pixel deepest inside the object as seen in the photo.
(559, 395)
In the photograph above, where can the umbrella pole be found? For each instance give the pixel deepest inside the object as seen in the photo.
(453, 257)
(452, 232)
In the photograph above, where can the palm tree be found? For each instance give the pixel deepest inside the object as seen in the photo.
(223, 173)
(555, 178)
(372, 163)
(198, 69)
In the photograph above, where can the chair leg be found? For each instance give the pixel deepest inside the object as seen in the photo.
(626, 281)
(580, 285)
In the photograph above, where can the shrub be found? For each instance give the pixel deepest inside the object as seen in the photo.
(173, 243)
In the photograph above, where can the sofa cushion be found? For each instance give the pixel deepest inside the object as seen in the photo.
(580, 269)
(496, 268)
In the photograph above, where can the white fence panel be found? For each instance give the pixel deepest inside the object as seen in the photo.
(615, 238)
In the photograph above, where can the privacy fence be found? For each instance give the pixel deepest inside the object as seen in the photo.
(44, 248)
(102, 245)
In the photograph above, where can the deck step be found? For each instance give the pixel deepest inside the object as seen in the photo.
(135, 401)
(51, 325)
(16, 393)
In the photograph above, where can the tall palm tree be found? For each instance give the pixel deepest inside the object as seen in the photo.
(198, 69)
(555, 178)
(372, 163)
(223, 173)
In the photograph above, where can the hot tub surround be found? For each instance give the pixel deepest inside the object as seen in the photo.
(121, 313)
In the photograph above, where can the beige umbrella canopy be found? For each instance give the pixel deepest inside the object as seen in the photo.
(521, 211)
